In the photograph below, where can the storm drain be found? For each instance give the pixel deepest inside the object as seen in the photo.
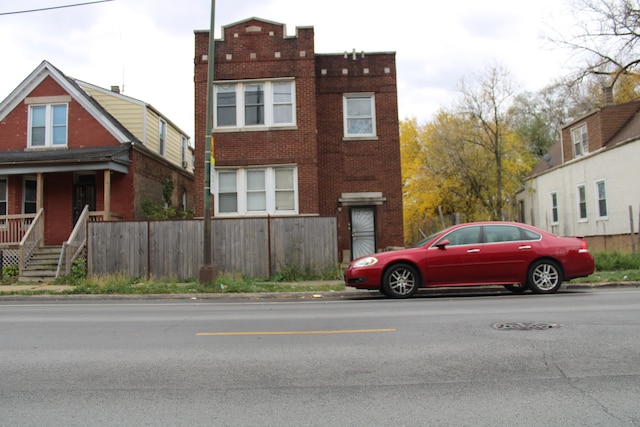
(522, 326)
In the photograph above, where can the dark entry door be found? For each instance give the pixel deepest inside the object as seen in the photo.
(84, 193)
(363, 232)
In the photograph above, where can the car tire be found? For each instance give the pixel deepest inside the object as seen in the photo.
(400, 281)
(517, 288)
(544, 277)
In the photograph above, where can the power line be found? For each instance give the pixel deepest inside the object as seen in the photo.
(53, 7)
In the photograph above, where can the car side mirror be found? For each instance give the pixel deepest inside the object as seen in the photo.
(442, 244)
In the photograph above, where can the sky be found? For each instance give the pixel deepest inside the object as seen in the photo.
(147, 46)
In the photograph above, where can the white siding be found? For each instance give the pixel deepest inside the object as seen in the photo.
(619, 167)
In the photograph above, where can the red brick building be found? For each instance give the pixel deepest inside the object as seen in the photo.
(301, 133)
(66, 144)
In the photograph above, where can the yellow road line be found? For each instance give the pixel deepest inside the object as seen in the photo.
(345, 331)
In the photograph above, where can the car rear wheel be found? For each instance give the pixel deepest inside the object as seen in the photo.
(517, 288)
(400, 281)
(545, 277)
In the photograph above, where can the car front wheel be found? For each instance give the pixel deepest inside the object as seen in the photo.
(400, 281)
(545, 277)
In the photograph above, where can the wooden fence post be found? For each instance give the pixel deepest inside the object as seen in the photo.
(633, 241)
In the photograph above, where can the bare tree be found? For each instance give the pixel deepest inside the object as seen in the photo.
(485, 103)
(607, 33)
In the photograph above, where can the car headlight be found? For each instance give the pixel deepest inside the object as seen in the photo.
(365, 262)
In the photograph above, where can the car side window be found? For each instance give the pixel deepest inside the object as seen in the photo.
(530, 235)
(463, 236)
(501, 233)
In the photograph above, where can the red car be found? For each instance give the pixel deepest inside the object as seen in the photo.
(515, 255)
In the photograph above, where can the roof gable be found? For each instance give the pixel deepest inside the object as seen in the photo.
(46, 69)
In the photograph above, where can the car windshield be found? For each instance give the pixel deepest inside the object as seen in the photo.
(426, 240)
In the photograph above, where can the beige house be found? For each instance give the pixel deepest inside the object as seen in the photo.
(154, 130)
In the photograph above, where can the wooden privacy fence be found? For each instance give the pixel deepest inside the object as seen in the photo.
(253, 247)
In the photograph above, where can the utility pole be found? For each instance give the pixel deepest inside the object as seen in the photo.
(207, 271)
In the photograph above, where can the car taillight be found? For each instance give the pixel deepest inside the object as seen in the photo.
(583, 247)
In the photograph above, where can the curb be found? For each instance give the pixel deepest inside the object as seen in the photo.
(349, 293)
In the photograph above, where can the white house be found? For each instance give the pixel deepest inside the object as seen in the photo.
(589, 180)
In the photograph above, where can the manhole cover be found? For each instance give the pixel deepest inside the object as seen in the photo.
(523, 326)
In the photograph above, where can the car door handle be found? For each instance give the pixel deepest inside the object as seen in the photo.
(525, 247)
(473, 251)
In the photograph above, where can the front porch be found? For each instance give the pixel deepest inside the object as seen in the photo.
(22, 244)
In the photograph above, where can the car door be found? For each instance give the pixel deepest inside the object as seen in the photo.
(505, 254)
(456, 262)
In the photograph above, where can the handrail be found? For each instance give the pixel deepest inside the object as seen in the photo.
(76, 242)
(13, 227)
(31, 240)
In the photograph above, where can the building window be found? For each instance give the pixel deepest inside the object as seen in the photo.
(601, 195)
(554, 208)
(580, 141)
(183, 150)
(270, 190)
(582, 203)
(162, 137)
(359, 115)
(48, 125)
(254, 104)
(282, 103)
(3, 197)
(29, 196)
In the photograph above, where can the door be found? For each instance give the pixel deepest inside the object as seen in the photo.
(457, 262)
(363, 232)
(84, 193)
(506, 254)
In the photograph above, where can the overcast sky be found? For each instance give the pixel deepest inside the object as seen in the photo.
(147, 46)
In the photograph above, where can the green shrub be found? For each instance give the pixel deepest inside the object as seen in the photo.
(612, 261)
(10, 271)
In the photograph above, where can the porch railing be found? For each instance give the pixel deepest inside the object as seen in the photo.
(31, 240)
(13, 228)
(99, 216)
(74, 246)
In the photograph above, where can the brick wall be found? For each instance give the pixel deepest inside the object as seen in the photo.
(348, 166)
(327, 165)
(246, 53)
(83, 129)
(148, 174)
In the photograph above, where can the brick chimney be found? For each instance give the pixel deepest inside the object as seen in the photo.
(607, 95)
(115, 89)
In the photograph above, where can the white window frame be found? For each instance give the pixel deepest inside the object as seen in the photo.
(48, 125)
(599, 199)
(162, 137)
(580, 140)
(580, 202)
(183, 150)
(553, 199)
(347, 117)
(270, 190)
(269, 104)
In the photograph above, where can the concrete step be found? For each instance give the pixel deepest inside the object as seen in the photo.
(42, 266)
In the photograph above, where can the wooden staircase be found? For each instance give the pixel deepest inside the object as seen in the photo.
(42, 266)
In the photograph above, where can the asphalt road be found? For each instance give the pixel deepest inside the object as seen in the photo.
(444, 359)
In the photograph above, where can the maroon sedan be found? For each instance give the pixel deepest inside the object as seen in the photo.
(515, 255)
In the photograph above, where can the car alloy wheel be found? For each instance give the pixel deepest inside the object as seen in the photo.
(400, 281)
(545, 277)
